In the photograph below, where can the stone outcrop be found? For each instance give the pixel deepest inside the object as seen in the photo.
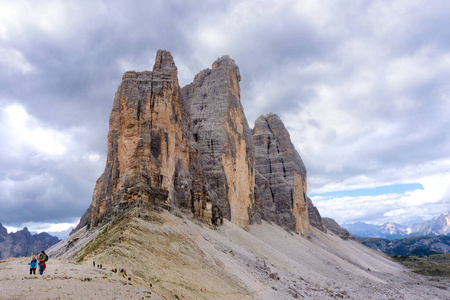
(222, 138)
(334, 227)
(193, 152)
(315, 219)
(280, 175)
(149, 159)
(192, 149)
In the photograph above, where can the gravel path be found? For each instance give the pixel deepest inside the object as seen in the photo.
(65, 280)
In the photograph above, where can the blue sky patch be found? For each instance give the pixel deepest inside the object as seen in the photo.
(400, 188)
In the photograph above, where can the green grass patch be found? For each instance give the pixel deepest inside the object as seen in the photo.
(102, 238)
(433, 265)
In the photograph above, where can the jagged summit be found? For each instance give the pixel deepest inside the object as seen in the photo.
(147, 144)
(280, 175)
(272, 124)
(22, 242)
(163, 61)
(222, 138)
(226, 63)
(192, 149)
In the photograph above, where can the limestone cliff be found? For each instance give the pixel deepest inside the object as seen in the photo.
(222, 138)
(192, 149)
(314, 216)
(280, 175)
(149, 157)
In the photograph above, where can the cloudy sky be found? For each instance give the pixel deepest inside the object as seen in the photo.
(363, 87)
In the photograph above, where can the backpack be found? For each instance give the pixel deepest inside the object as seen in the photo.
(46, 258)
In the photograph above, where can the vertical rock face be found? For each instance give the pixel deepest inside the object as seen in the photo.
(148, 153)
(280, 175)
(221, 135)
(191, 148)
(314, 216)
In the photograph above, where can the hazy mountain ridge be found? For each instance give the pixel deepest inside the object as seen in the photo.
(439, 225)
(416, 245)
(23, 243)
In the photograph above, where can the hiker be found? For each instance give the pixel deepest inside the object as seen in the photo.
(93, 263)
(33, 266)
(42, 258)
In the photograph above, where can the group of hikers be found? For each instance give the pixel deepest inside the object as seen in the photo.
(41, 260)
(123, 272)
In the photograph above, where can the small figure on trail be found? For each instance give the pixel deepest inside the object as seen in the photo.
(42, 258)
(33, 266)
(93, 263)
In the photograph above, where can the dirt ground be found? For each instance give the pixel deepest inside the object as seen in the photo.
(65, 280)
(184, 259)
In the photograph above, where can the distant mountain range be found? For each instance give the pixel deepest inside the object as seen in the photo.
(23, 243)
(416, 245)
(439, 225)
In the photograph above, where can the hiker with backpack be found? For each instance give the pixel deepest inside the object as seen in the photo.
(33, 266)
(42, 259)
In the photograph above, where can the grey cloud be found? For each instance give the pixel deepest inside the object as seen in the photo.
(284, 59)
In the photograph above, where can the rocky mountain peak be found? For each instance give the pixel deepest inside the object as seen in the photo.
(222, 138)
(22, 242)
(192, 149)
(3, 230)
(280, 175)
(271, 124)
(164, 61)
(227, 64)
